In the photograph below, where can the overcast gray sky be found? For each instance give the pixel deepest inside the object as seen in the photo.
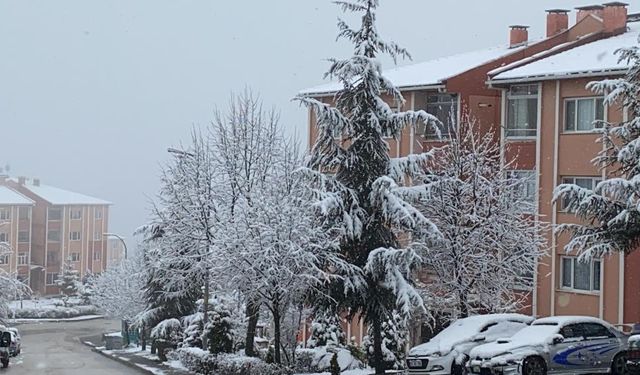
(93, 92)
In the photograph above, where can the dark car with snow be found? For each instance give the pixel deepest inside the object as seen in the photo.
(555, 345)
(447, 352)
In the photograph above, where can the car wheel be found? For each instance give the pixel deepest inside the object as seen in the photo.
(534, 366)
(619, 365)
(459, 369)
(5, 363)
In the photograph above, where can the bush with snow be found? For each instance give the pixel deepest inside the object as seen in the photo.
(169, 330)
(53, 312)
(326, 331)
(394, 343)
(203, 362)
(219, 330)
(319, 359)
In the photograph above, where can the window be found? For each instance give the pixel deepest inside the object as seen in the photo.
(23, 258)
(96, 255)
(51, 278)
(581, 114)
(52, 256)
(24, 213)
(580, 275)
(98, 213)
(583, 182)
(97, 235)
(54, 214)
(74, 236)
(75, 214)
(526, 189)
(4, 259)
(53, 236)
(23, 236)
(445, 108)
(75, 257)
(572, 332)
(522, 111)
(5, 214)
(4, 237)
(596, 331)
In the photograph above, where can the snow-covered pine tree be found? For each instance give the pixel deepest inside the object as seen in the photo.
(394, 343)
(219, 330)
(363, 204)
(610, 213)
(68, 282)
(486, 258)
(326, 331)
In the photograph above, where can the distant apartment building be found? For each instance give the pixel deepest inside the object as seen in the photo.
(52, 226)
(532, 95)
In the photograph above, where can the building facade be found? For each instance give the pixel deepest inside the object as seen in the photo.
(533, 96)
(63, 227)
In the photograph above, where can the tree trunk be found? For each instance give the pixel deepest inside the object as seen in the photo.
(205, 315)
(464, 308)
(276, 331)
(252, 314)
(377, 346)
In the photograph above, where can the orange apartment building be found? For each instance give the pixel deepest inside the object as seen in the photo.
(47, 227)
(532, 94)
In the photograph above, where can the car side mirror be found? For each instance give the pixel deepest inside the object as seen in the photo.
(557, 340)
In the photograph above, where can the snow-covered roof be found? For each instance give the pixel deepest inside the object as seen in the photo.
(11, 197)
(57, 196)
(595, 58)
(429, 73)
(467, 329)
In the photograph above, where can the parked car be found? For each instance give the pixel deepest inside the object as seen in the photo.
(447, 352)
(562, 344)
(16, 342)
(5, 342)
(633, 355)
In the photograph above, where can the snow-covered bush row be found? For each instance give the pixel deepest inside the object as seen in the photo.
(203, 362)
(319, 360)
(54, 312)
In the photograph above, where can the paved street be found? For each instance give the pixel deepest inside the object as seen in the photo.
(54, 349)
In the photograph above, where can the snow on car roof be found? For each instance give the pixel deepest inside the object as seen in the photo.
(533, 335)
(593, 58)
(431, 72)
(11, 197)
(464, 330)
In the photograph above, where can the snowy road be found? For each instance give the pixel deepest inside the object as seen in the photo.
(54, 349)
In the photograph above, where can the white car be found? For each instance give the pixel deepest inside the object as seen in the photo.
(555, 345)
(16, 341)
(447, 352)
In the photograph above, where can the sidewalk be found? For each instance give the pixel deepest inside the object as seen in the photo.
(134, 358)
(54, 320)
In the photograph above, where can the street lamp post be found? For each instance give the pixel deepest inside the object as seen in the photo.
(124, 244)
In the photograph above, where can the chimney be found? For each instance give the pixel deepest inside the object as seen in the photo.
(557, 21)
(585, 11)
(518, 35)
(36, 182)
(615, 17)
(22, 180)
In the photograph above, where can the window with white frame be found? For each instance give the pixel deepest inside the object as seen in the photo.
(4, 237)
(97, 235)
(4, 259)
(527, 187)
(75, 214)
(52, 256)
(23, 236)
(24, 213)
(444, 107)
(23, 258)
(51, 278)
(98, 214)
(580, 275)
(583, 182)
(583, 114)
(522, 111)
(54, 214)
(5, 214)
(97, 255)
(74, 236)
(75, 257)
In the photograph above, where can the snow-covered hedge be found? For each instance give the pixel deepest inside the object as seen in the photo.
(53, 312)
(205, 363)
(319, 359)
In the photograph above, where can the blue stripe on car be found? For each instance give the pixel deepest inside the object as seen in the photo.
(563, 357)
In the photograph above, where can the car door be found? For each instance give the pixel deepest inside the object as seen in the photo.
(565, 356)
(600, 347)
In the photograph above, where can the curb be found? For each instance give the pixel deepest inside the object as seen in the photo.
(50, 320)
(115, 357)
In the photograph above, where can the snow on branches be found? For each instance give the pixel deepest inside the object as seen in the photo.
(610, 213)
